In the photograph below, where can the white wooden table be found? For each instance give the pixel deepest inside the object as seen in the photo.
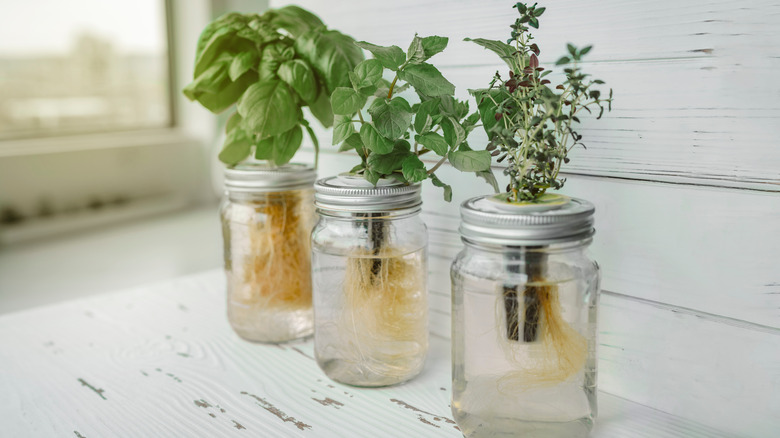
(162, 361)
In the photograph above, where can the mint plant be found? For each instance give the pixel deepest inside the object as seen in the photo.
(529, 122)
(271, 66)
(393, 134)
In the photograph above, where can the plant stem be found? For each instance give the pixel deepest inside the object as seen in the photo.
(436, 167)
(390, 92)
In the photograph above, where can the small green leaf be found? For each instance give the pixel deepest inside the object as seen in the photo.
(572, 50)
(539, 12)
(413, 169)
(268, 108)
(426, 79)
(353, 142)
(300, 77)
(454, 134)
(447, 188)
(415, 54)
(391, 117)
(426, 108)
(241, 64)
(434, 142)
(367, 76)
(391, 57)
(500, 48)
(374, 141)
(585, 50)
(286, 144)
(488, 176)
(470, 161)
(264, 149)
(342, 129)
(371, 176)
(347, 101)
(237, 147)
(433, 45)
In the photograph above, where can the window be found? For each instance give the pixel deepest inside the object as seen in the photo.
(82, 66)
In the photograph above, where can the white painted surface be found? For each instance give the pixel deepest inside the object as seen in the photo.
(161, 360)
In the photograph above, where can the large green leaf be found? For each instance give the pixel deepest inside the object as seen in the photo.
(321, 108)
(217, 38)
(415, 54)
(236, 148)
(286, 144)
(264, 149)
(391, 57)
(391, 117)
(332, 55)
(212, 80)
(426, 79)
(454, 134)
(300, 77)
(295, 20)
(433, 45)
(342, 129)
(224, 98)
(346, 101)
(374, 141)
(470, 161)
(426, 108)
(434, 142)
(413, 169)
(500, 48)
(367, 76)
(388, 163)
(268, 108)
(242, 63)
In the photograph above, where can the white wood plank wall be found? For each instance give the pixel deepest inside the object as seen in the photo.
(684, 174)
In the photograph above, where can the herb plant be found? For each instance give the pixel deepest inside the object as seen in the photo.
(271, 65)
(391, 142)
(529, 122)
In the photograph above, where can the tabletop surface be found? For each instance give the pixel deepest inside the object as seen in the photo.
(162, 360)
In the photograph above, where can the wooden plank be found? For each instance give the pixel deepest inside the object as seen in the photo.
(162, 361)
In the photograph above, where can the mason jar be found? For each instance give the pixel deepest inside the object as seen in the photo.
(524, 313)
(369, 264)
(267, 216)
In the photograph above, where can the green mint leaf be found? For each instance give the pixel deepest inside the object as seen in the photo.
(286, 144)
(300, 77)
(237, 147)
(500, 48)
(426, 109)
(371, 176)
(241, 64)
(367, 76)
(342, 128)
(447, 188)
(264, 149)
(434, 142)
(415, 54)
(388, 163)
(346, 101)
(391, 117)
(331, 54)
(433, 45)
(454, 134)
(353, 142)
(391, 57)
(295, 20)
(268, 108)
(374, 141)
(488, 176)
(426, 79)
(413, 169)
(470, 161)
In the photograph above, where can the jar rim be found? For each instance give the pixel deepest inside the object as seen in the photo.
(352, 193)
(263, 177)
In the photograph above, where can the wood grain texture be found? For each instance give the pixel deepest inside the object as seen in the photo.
(694, 83)
(162, 361)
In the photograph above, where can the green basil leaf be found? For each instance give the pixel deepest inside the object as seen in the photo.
(342, 128)
(500, 48)
(434, 142)
(332, 55)
(374, 141)
(268, 108)
(237, 147)
(470, 161)
(219, 40)
(233, 122)
(413, 169)
(264, 149)
(391, 117)
(346, 101)
(222, 100)
(286, 144)
(300, 77)
(214, 79)
(295, 20)
(426, 79)
(454, 134)
(391, 57)
(321, 108)
(447, 188)
(433, 45)
(241, 64)
(426, 108)
(415, 54)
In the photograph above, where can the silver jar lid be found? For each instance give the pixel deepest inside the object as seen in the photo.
(352, 193)
(492, 221)
(262, 177)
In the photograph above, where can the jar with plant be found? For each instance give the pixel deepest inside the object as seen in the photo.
(524, 291)
(369, 246)
(269, 67)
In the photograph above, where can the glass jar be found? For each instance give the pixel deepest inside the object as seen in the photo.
(524, 312)
(267, 216)
(369, 263)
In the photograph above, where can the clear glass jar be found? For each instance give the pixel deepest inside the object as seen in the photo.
(267, 216)
(524, 337)
(369, 263)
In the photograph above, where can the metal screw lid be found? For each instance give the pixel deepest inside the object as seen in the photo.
(262, 177)
(352, 193)
(488, 220)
